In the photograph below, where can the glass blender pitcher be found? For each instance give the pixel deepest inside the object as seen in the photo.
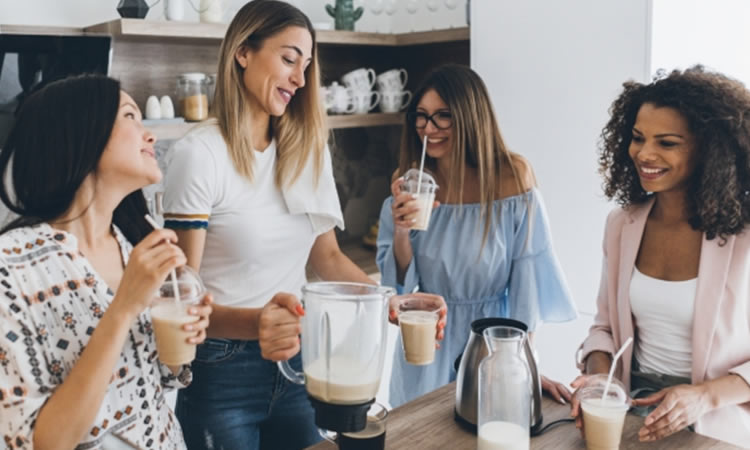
(344, 333)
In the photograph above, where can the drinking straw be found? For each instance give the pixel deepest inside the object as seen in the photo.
(614, 364)
(421, 165)
(175, 286)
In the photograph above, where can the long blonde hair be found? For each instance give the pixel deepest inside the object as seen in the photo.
(301, 131)
(476, 138)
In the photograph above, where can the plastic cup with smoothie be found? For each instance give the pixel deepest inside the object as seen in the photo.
(168, 315)
(603, 419)
(417, 318)
(424, 191)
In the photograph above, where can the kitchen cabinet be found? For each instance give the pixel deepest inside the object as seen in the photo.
(149, 55)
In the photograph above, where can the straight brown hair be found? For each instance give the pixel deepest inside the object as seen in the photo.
(477, 141)
(301, 131)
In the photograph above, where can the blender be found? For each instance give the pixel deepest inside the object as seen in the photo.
(344, 333)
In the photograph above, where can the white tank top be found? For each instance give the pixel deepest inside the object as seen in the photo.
(663, 314)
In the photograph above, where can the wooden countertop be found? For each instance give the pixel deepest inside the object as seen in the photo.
(427, 423)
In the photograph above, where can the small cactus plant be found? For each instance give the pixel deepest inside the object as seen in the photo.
(344, 14)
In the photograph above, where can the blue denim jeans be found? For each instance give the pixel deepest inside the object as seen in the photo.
(238, 400)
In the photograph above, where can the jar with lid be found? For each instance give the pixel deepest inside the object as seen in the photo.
(192, 90)
(504, 392)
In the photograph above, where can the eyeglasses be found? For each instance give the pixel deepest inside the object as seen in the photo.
(441, 119)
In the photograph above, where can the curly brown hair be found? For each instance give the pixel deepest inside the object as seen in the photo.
(717, 109)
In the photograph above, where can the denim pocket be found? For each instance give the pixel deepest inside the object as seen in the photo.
(217, 350)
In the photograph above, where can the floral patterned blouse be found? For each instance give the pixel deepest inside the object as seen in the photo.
(51, 299)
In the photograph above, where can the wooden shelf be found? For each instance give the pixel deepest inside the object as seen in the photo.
(365, 120)
(140, 28)
(39, 30)
(175, 130)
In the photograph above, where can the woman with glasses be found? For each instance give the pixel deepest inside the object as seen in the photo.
(487, 249)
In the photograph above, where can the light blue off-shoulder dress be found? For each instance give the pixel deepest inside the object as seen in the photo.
(517, 276)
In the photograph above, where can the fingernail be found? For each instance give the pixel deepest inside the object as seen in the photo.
(300, 310)
(189, 327)
(414, 196)
(413, 220)
(193, 311)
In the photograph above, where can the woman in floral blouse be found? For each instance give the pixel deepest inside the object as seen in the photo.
(77, 270)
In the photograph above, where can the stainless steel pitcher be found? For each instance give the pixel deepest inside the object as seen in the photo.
(467, 370)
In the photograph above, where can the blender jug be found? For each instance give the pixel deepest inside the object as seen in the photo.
(344, 332)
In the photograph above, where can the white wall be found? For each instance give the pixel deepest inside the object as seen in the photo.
(391, 16)
(552, 69)
(710, 32)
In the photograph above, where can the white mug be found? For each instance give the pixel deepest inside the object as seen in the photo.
(340, 99)
(365, 102)
(394, 101)
(392, 80)
(361, 80)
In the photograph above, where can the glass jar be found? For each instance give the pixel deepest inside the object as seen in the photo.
(192, 91)
(504, 392)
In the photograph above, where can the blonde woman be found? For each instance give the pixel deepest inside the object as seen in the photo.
(487, 250)
(252, 198)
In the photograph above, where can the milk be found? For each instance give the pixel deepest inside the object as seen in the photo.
(418, 330)
(168, 317)
(425, 201)
(603, 422)
(499, 435)
(344, 385)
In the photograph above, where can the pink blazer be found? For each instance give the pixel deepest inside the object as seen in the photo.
(721, 323)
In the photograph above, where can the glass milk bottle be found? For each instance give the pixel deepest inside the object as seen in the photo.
(504, 392)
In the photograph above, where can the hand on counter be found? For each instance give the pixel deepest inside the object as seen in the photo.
(679, 406)
(279, 327)
(556, 390)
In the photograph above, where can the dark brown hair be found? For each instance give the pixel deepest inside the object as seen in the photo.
(717, 109)
(57, 141)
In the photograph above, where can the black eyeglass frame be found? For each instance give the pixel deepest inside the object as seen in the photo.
(412, 118)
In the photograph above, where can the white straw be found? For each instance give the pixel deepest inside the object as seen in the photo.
(614, 364)
(175, 286)
(421, 165)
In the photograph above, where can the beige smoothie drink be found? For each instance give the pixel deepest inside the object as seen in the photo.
(603, 422)
(425, 201)
(168, 317)
(340, 385)
(418, 317)
(423, 189)
(418, 336)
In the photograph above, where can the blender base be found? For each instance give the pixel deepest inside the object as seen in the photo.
(341, 418)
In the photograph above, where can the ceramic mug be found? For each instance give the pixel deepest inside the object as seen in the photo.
(392, 80)
(365, 102)
(394, 101)
(361, 80)
(326, 97)
(340, 99)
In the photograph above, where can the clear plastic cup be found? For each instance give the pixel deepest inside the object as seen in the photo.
(417, 319)
(603, 420)
(425, 195)
(169, 315)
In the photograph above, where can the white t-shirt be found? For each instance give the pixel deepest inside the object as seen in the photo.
(255, 247)
(663, 313)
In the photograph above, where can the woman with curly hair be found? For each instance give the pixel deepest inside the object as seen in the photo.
(676, 258)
